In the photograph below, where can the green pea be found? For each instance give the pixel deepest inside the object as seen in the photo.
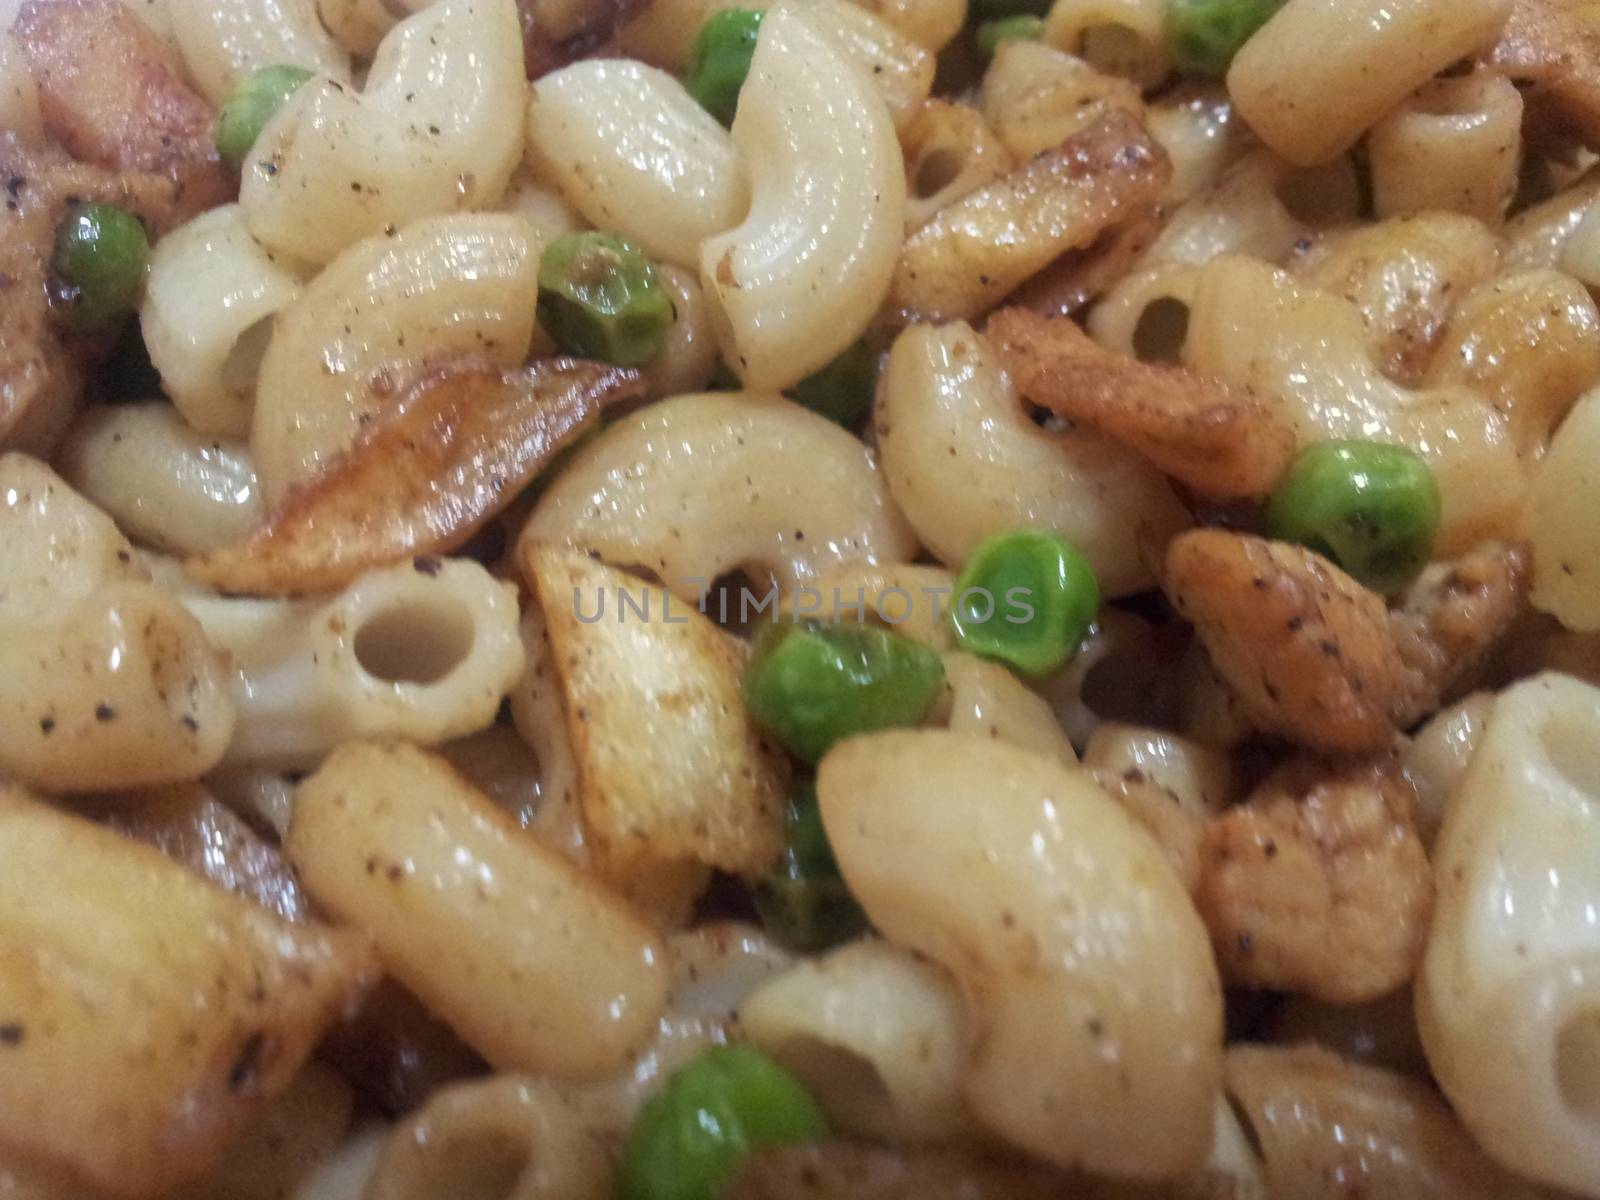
(600, 298)
(812, 684)
(1206, 34)
(720, 61)
(689, 1139)
(1371, 508)
(1023, 28)
(1025, 599)
(98, 265)
(803, 901)
(842, 391)
(252, 103)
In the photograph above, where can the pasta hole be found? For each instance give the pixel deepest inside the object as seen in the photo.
(243, 363)
(415, 641)
(1322, 196)
(1162, 330)
(1578, 1064)
(1116, 50)
(1573, 752)
(937, 170)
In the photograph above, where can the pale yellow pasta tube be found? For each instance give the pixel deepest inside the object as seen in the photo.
(878, 1035)
(1096, 1008)
(221, 43)
(633, 152)
(1561, 521)
(1455, 145)
(963, 461)
(1514, 946)
(209, 299)
(1320, 73)
(1120, 37)
(530, 960)
(950, 152)
(19, 98)
(443, 286)
(423, 650)
(802, 277)
(1201, 135)
(164, 483)
(147, 1014)
(438, 129)
(693, 487)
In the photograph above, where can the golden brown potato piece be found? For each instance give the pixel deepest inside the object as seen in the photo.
(1211, 437)
(111, 95)
(974, 252)
(1551, 49)
(145, 1014)
(1080, 277)
(455, 449)
(187, 824)
(1306, 649)
(1451, 620)
(671, 768)
(1334, 1130)
(1318, 883)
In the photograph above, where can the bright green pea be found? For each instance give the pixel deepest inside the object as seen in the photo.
(1022, 28)
(98, 265)
(1206, 34)
(600, 298)
(812, 684)
(1371, 508)
(803, 901)
(246, 111)
(689, 1139)
(1026, 599)
(720, 61)
(842, 391)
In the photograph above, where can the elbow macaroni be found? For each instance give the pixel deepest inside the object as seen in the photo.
(222, 41)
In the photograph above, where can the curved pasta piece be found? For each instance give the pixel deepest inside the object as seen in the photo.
(696, 486)
(964, 461)
(1560, 522)
(1096, 1007)
(441, 288)
(223, 43)
(988, 701)
(164, 483)
(878, 1036)
(438, 129)
(533, 962)
(632, 151)
(210, 295)
(1437, 756)
(799, 281)
(453, 449)
(1514, 946)
(900, 69)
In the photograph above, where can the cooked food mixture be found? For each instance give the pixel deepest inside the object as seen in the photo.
(799, 599)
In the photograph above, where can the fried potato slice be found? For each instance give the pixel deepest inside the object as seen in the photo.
(455, 449)
(1208, 435)
(973, 253)
(1307, 650)
(145, 1015)
(671, 768)
(1318, 883)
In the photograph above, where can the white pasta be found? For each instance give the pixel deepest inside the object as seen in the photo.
(693, 487)
(19, 98)
(1198, 130)
(222, 41)
(802, 277)
(988, 701)
(530, 960)
(1119, 37)
(1094, 997)
(1438, 755)
(1198, 777)
(424, 652)
(443, 286)
(1242, 212)
(687, 360)
(209, 299)
(950, 152)
(879, 1037)
(1146, 316)
(438, 129)
(1455, 145)
(1514, 946)
(1321, 72)
(357, 25)
(964, 461)
(164, 484)
(1561, 525)
(900, 68)
(633, 152)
